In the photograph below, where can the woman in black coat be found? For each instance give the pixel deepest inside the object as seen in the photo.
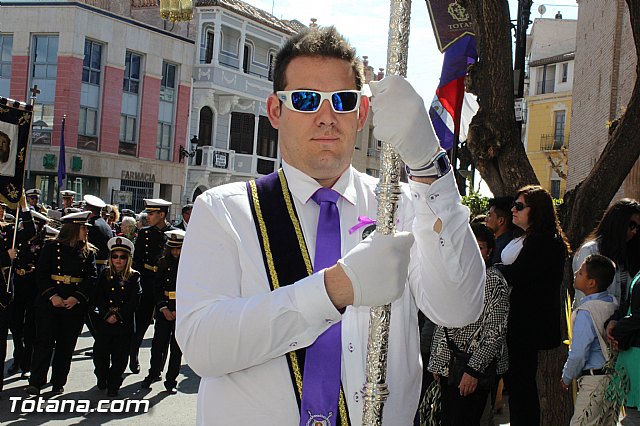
(534, 273)
(116, 297)
(66, 274)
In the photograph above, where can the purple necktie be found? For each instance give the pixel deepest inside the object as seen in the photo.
(321, 378)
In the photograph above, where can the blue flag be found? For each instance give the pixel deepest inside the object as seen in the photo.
(62, 167)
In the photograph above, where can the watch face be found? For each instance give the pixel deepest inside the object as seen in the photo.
(443, 164)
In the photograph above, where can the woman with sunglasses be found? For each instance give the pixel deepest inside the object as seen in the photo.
(66, 274)
(615, 237)
(533, 266)
(164, 333)
(117, 295)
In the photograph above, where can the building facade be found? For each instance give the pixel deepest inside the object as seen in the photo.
(605, 74)
(550, 54)
(124, 87)
(231, 136)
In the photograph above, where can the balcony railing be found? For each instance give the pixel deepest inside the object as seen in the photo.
(552, 142)
(546, 86)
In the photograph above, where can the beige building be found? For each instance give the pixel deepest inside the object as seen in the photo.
(605, 73)
(550, 54)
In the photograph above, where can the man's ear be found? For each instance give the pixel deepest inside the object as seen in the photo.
(274, 108)
(363, 111)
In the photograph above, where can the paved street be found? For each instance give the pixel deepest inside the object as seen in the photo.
(164, 408)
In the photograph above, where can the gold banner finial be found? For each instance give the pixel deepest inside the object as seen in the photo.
(176, 10)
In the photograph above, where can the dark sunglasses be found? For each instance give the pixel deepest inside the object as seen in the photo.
(519, 206)
(633, 226)
(342, 101)
(121, 256)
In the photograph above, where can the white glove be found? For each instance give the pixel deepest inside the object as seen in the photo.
(378, 268)
(400, 118)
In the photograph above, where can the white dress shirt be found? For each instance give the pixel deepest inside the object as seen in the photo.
(235, 332)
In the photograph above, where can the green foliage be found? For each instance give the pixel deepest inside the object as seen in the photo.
(477, 203)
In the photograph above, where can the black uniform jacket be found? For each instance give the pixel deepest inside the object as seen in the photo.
(165, 288)
(65, 271)
(99, 234)
(149, 246)
(116, 296)
(26, 231)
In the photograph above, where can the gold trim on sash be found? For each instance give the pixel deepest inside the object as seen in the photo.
(274, 276)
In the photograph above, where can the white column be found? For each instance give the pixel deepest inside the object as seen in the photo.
(243, 37)
(217, 38)
(254, 167)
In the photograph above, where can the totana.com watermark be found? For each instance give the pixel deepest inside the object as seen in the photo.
(41, 405)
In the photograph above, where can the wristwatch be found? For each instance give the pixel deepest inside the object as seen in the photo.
(437, 167)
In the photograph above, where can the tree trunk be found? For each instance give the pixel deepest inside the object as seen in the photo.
(493, 138)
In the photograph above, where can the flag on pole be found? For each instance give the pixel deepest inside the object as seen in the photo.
(450, 92)
(62, 164)
(15, 125)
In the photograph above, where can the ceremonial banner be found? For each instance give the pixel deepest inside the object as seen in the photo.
(15, 124)
(450, 22)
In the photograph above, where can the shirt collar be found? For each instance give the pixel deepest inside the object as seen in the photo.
(303, 186)
(603, 295)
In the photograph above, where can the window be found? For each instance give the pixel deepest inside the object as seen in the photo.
(546, 79)
(267, 138)
(127, 128)
(241, 133)
(6, 45)
(92, 62)
(565, 72)
(45, 57)
(205, 127)
(208, 53)
(271, 60)
(163, 145)
(131, 81)
(168, 83)
(88, 121)
(555, 188)
(246, 62)
(139, 191)
(558, 134)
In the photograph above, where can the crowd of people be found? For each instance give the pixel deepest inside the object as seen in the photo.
(81, 265)
(275, 285)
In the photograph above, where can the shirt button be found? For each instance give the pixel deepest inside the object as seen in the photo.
(356, 397)
(350, 347)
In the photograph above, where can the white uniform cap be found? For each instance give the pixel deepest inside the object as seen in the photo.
(156, 204)
(120, 243)
(78, 218)
(94, 201)
(175, 237)
(39, 216)
(68, 193)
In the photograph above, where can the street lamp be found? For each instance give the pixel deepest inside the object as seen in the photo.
(184, 153)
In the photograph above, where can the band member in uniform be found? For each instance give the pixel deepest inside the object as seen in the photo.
(149, 246)
(33, 198)
(8, 254)
(116, 296)
(99, 234)
(66, 275)
(165, 326)
(67, 200)
(22, 322)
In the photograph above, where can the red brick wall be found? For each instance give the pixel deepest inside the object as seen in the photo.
(19, 78)
(182, 121)
(110, 111)
(149, 117)
(67, 101)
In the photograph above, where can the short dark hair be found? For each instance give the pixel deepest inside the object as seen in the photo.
(325, 42)
(186, 208)
(601, 269)
(502, 207)
(484, 234)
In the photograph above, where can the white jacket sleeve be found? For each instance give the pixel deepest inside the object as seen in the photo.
(446, 273)
(227, 317)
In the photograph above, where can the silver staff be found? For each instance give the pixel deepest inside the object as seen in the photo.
(375, 390)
